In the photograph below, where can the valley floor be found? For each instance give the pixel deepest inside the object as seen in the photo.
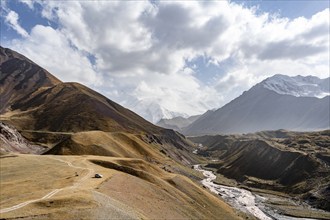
(261, 205)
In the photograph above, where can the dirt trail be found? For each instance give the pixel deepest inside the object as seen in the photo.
(55, 191)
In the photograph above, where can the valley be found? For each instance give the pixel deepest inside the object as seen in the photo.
(56, 136)
(261, 204)
(290, 169)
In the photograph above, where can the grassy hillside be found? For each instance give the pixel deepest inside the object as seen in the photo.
(129, 189)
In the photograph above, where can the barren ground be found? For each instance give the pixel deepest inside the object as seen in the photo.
(129, 189)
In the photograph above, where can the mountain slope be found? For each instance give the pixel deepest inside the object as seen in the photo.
(141, 164)
(49, 111)
(20, 77)
(129, 189)
(12, 141)
(77, 108)
(28, 90)
(263, 109)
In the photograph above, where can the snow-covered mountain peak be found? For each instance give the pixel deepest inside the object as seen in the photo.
(299, 86)
(152, 111)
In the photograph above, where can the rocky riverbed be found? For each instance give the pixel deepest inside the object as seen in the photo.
(242, 199)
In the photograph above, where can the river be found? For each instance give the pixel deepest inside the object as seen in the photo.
(242, 199)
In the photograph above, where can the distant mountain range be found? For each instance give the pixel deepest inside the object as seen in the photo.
(299, 86)
(279, 102)
(177, 123)
(152, 111)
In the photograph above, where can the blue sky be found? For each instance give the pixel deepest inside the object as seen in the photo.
(27, 18)
(164, 52)
(288, 8)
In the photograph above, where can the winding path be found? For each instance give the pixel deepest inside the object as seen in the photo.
(55, 191)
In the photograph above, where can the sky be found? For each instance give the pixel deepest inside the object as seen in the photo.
(185, 56)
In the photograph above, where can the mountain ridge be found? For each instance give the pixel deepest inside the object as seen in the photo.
(49, 112)
(260, 109)
(152, 111)
(32, 78)
(299, 86)
(177, 123)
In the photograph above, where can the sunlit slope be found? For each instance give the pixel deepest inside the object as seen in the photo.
(20, 78)
(130, 188)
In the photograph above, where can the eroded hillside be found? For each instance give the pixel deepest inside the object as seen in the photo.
(294, 163)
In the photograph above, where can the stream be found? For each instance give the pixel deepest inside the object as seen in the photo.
(242, 199)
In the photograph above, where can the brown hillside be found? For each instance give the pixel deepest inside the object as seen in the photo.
(129, 189)
(49, 112)
(35, 100)
(72, 107)
(20, 78)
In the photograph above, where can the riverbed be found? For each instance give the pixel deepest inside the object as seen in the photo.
(242, 199)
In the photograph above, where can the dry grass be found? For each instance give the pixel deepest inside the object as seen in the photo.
(131, 188)
(31, 177)
(155, 192)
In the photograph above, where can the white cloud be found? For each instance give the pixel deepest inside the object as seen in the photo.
(141, 49)
(28, 3)
(12, 20)
(52, 50)
(172, 90)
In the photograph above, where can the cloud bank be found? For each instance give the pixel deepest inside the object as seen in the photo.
(148, 50)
